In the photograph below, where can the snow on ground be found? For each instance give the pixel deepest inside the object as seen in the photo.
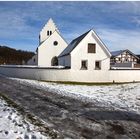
(13, 126)
(123, 97)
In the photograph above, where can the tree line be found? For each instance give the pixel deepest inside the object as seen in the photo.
(12, 56)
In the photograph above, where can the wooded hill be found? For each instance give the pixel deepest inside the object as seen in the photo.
(12, 56)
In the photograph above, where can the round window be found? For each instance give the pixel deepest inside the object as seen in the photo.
(55, 43)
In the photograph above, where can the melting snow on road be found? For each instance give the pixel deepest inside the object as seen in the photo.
(13, 126)
(123, 97)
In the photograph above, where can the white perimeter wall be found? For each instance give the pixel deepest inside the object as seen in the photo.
(95, 76)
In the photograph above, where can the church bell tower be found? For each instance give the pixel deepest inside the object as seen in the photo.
(47, 30)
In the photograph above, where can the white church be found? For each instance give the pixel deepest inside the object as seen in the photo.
(86, 52)
(51, 44)
(53, 50)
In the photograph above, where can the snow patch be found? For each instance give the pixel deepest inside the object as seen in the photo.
(124, 97)
(13, 126)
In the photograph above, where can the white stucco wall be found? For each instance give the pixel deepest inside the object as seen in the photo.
(123, 65)
(47, 50)
(124, 75)
(65, 61)
(69, 75)
(81, 53)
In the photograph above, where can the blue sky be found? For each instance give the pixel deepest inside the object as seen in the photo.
(117, 23)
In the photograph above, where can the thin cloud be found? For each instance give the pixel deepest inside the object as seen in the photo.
(136, 20)
(121, 39)
(117, 22)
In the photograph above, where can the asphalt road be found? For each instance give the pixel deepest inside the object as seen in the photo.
(70, 117)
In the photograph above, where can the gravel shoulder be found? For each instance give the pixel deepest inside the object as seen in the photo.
(69, 117)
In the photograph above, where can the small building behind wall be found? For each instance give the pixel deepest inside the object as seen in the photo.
(123, 59)
(33, 60)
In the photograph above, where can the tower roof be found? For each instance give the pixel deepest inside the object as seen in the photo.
(49, 24)
(73, 44)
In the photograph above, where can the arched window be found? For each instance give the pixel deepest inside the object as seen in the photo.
(54, 61)
(47, 32)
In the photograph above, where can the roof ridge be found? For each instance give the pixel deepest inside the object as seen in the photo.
(121, 51)
(73, 44)
(50, 19)
(102, 43)
(77, 40)
(82, 35)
